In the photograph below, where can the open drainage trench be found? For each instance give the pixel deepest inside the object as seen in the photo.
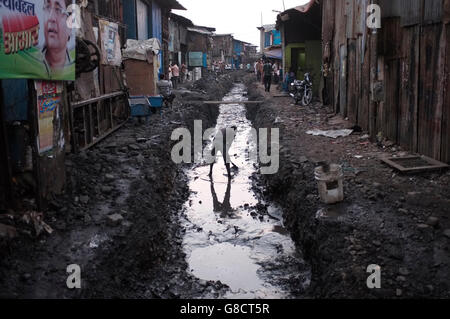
(232, 236)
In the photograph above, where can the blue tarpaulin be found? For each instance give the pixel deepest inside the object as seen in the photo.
(274, 54)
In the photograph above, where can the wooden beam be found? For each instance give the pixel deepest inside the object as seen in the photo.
(4, 156)
(33, 116)
(96, 99)
(227, 102)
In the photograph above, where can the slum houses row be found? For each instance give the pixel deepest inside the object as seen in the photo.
(389, 75)
(121, 48)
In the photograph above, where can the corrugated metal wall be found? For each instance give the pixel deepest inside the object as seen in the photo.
(412, 58)
(129, 17)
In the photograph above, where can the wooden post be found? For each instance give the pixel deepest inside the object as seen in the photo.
(73, 136)
(373, 78)
(4, 154)
(33, 117)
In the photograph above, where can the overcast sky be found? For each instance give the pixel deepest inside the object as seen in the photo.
(240, 17)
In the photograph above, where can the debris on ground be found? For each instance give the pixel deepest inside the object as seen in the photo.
(332, 134)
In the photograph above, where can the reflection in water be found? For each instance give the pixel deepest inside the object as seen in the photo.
(225, 207)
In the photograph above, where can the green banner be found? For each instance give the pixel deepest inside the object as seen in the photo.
(36, 40)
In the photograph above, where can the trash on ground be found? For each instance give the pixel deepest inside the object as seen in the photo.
(414, 164)
(330, 179)
(332, 134)
(278, 120)
(37, 220)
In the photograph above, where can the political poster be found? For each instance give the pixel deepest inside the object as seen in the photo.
(110, 43)
(49, 95)
(37, 40)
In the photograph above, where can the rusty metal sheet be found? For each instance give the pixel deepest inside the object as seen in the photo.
(349, 14)
(343, 80)
(433, 11)
(430, 91)
(360, 16)
(409, 73)
(412, 12)
(328, 17)
(391, 8)
(414, 164)
(363, 80)
(446, 13)
(351, 82)
(445, 148)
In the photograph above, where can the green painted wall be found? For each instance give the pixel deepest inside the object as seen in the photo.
(310, 61)
(288, 57)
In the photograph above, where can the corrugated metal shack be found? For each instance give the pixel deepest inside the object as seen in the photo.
(200, 45)
(222, 48)
(394, 81)
(178, 38)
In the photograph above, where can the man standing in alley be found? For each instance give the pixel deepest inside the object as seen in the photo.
(165, 89)
(259, 70)
(226, 137)
(267, 70)
(175, 75)
(183, 73)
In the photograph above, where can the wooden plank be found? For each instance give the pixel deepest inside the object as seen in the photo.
(433, 11)
(91, 124)
(351, 84)
(373, 78)
(5, 168)
(328, 28)
(433, 164)
(446, 14)
(349, 14)
(85, 127)
(445, 149)
(363, 112)
(339, 39)
(343, 81)
(430, 91)
(140, 77)
(228, 102)
(96, 99)
(407, 133)
(101, 138)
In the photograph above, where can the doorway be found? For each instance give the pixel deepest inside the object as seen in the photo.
(298, 62)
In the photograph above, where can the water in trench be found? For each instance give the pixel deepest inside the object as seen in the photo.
(231, 235)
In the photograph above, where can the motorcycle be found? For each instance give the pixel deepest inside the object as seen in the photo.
(301, 91)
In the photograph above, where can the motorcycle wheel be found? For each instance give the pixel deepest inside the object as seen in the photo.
(307, 97)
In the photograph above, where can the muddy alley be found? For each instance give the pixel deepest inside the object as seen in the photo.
(328, 123)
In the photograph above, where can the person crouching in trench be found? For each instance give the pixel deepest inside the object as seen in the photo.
(227, 141)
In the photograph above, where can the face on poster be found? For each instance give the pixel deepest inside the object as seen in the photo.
(36, 41)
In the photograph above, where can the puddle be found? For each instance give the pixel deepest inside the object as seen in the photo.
(231, 236)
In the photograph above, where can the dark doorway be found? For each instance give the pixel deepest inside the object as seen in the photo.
(298, 62)
(5, 172)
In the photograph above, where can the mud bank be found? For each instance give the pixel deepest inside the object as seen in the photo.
(396, 222)
(118, 218)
